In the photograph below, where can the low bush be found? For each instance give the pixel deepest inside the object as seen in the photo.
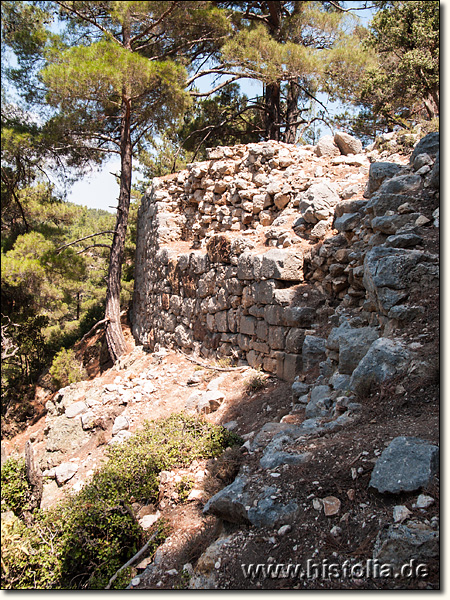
(66, 369)
(86, 538)
(15, 488)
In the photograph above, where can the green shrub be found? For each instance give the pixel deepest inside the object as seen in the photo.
(184, 487)
(66, 369)
(84, 540)
(15, 488)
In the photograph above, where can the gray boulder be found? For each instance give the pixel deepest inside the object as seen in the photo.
(407, 464)
(434, 181)
(404, 184)
(210, 401)
(399, 544)
(353, 347)
(271, 460)
(379, 204)
(317, 202)
(351, 343)
(120, 423)
(428, 144)
(313, 351)
(403, 240)
(389, 273)
(347, 222)
(384, 359)
(299, 389)
(75, 409)
(64, 436)
(378, 172)
(320, 407)
(236, 504)
(390, 224)
(347, 144)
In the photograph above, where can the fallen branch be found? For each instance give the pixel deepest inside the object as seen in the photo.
(132, 560)
(200, 364)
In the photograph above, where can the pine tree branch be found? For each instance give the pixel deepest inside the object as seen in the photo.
(87, 19)
(153, 25)
(219, 70)
(217, 88)
(94, 246)
(58, 250)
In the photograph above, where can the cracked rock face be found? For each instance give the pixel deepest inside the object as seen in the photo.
(242, 503)
(407, 464)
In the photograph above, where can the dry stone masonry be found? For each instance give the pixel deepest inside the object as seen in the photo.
(245, 254)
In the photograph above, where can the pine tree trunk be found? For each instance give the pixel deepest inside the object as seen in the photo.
(272, 101)
(115, 340)
(292, 114)
(272, 98)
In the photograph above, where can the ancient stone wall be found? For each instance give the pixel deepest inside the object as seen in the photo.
(242, 255)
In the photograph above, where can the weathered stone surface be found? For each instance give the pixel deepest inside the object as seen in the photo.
(75, 409)
(299, 389)
(399, 544)
(390, 224)
(428, 144)
(236, 504)
(378, 172)
(318, 202)
(318, 408)
(403, 240)
(347, 222)
(347, 144)
(120, 423)
(407, 464)
(327, 147)
(272, 460)
(282, 264)
(353, 346)
(379, 204)
(434, 181)
(88, 420)
(65, 435)
(298, 316)
(384, 359)
(313, 351)
(184, 336)
(403, 184)
(388, 273)
(247, 325)
(210, 401)
(64, 472)
(294, 340)
(292, 366)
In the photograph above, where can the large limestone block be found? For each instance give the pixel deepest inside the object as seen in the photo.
(327, 147)
(347, 144)
(282, 264)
